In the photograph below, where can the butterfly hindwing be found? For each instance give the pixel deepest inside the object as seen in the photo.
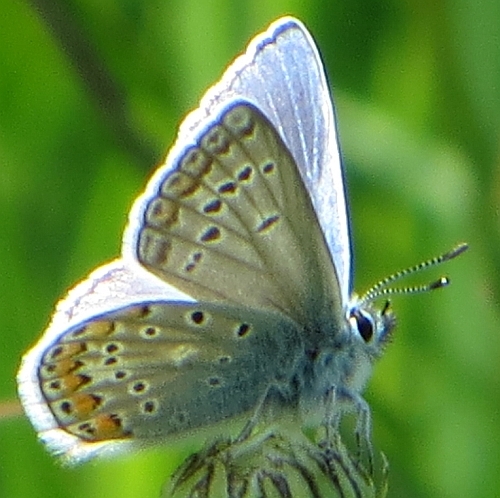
(156, 369)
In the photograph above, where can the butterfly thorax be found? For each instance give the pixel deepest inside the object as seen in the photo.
(341, 359)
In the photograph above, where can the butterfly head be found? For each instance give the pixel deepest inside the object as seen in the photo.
(371, 326)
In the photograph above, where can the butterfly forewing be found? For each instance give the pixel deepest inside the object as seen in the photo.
(234, 222)
(281, 73)
(148, 370)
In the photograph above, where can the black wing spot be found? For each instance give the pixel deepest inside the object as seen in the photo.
(227, 188)
(213, 233)
(245, 174)
(149, 407)
(111, 348)
(56, 352)
(195, 259)
(139, 387)
(144, 311)
(243, 329)
(268, 222)
(212, 207)
(268, 168)
(150, 331)
(198, 317)
(66, 407)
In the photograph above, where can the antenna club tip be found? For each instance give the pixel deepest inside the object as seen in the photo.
(442, 282)
(456, 251)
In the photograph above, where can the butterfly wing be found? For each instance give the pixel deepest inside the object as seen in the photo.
(233, 222)
(282, 75)
(156, 369)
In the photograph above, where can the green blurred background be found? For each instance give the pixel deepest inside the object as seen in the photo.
(91, 93)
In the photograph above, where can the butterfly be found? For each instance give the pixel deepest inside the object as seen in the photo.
(233, 291)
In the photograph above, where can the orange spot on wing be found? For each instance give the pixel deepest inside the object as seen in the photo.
(72, 382)
(109, 426)
(84, 404)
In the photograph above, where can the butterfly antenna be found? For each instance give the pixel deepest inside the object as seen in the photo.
(381, 289)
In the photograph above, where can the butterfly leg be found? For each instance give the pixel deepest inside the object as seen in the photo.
(340, 401)
(363, 428)
(333, 415)
(363, 435)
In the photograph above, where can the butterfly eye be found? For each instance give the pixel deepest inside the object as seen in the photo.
(364, 324)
